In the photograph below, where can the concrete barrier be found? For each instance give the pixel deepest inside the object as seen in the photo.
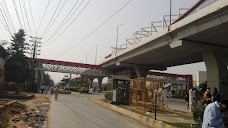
(143, 119)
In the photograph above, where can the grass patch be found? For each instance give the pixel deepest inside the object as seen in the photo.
(12, 95)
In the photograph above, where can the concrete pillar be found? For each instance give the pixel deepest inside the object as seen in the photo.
(100, 81)
(70, 80)
(91, 82)
(181, 86)
(216, 64)
(177, 89)
(141, 71)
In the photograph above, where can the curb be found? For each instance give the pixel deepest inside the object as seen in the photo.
(143, 119)
(174, 99)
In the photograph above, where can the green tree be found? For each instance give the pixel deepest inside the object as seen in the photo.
(47, 80)
(17, 66)
(3, 53)
(18, 45)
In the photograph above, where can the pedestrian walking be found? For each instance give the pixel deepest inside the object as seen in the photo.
(47, 89)
(191, 100)
(56, 92)
(187, 99)
(164, 94)
(212, 117)
(52, 88)
(42, 89)
(214, 94)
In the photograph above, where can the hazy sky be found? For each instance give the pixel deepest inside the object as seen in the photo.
(137, 14)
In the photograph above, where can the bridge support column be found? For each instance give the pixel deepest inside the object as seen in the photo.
(90, 82)
(100, 81)
(216, 64)
(141, 71)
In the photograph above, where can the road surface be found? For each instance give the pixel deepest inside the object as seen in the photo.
(76, 111)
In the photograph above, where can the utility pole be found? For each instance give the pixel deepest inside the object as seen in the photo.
(35, 46)
(170, 11)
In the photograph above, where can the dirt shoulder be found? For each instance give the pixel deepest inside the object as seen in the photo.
(26, 114)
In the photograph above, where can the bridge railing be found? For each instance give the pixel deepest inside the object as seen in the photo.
(154, 27)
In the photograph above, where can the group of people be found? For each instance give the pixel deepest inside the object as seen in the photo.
(194, 97)
(163, 93)
(214, 105)
(52, 89)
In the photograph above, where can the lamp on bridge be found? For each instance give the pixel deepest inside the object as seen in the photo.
(176, 44)
(117, 62)
(96, 54)
(117, 36)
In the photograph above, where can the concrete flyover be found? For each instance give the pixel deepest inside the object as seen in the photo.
(197, 37)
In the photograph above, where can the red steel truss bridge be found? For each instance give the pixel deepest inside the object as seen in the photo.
(70, 67)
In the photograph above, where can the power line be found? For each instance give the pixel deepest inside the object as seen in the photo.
(8, 16)
(3, 33)
(51, 18)
(18, 17)
(30, 31)
(32, 17)
(43, 16)
(5, 27)
(27, 32)
(63, 22)
(70, 23)
(6, 22)
(94, 29)
(22, 16)
(56, 17)
(5, 18)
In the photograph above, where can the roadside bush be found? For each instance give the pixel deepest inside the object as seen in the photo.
(198, 113)
(75, 89)
(17, 89)
(84, 91)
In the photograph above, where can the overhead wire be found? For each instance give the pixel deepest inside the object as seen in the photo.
(4, 33)
(26, 15)
(32, 16)
(70, 23)
(55, 17)
(8, 16)
(22, 16)
(5, 18)
(43, 16)
(64, 22)
(16, 10)
(6, 25)
(6, 29)
(51, 18)
(94, 29)
(25, 29)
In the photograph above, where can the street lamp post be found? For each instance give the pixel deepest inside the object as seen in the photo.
(96, 54)
(117, 36)
(170, 11)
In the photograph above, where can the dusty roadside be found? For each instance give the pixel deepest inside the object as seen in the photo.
(26, 114)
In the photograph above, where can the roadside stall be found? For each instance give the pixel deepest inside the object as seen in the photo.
(145, 94)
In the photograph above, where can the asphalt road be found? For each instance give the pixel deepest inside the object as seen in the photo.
(76, 111)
